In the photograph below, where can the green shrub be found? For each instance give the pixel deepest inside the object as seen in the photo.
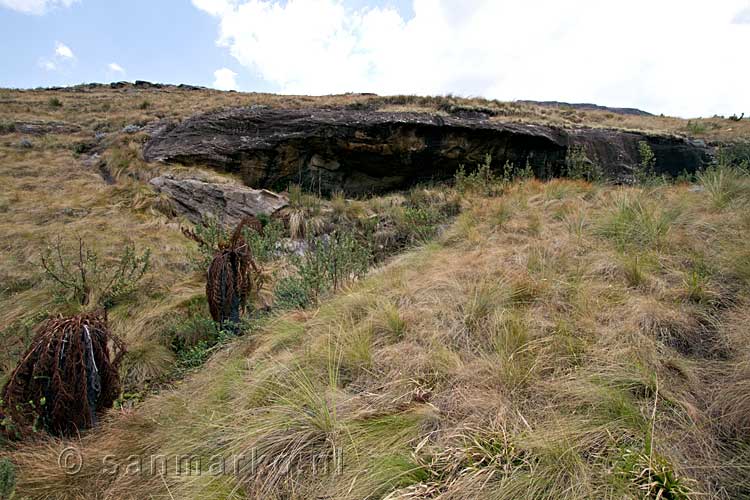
(144, 105)
(291, 292)
(54, 102)
(646, 169)
(331, 261)
(579, 166)
(263, 246)
(82, 277)
(482, 180)
(696, 127)
(7, 478)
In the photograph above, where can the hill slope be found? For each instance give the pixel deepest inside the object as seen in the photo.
(558, 339)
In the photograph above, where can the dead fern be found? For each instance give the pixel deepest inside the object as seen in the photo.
(233, 274)
(66, 378)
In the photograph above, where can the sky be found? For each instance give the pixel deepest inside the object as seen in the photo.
(685, 58)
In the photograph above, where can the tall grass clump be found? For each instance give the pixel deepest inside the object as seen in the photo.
(725, 184)
(633, 221)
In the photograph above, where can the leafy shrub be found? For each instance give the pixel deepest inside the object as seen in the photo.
(696, 127)
(290, 292)
(482, 180)
(7, 478)
(144, 105)
(84, 278)
(330, 261)
(645, 171)
(579, 166)
(54, 102)
(263, 246)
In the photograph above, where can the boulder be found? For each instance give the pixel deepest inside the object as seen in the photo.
(197, 198)
(364, 151)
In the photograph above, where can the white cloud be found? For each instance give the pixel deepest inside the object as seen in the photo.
(743, 16)
(47, 64)
(225, 79)
(35, 7)
(61, 59)
(115, 68)
(63, 51)
(671, 56)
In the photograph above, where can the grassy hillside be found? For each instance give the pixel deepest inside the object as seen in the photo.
(554, 340)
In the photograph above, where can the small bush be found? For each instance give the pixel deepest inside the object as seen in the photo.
(84, 278)
(579, 166)
(331, 261)
(7, 478)
(645, 170)
(212, 234)
(54, 102)
(696, 127)
(482, 180)
(291, 293)
(144, 105)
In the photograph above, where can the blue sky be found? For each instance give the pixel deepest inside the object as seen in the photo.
(678, 57)
(169, 41)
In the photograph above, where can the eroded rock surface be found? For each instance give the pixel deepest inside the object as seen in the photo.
(364, 151)
(197, 199)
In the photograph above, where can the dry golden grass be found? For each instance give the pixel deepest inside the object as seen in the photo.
(511, 360)
(108, 110)
(563, 340)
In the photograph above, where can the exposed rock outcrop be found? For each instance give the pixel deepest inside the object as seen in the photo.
(40, 128)
(197, 198)
(361, 152)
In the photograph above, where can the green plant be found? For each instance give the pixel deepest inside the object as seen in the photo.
(647, 163)
(696, 127)
(579, 166)
(7, 478)
(144, 105)
(724, 183)
(653, 476)
(482, 180)
(264, 246)
(291, 292)
(54, 102)
(84, 278)
(634, 221)
(633, 269)
(330, 261)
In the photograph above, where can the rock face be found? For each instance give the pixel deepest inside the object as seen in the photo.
(197, 199)
(363, 151)
(40, 128)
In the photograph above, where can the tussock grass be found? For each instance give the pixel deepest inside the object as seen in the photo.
(562, 340)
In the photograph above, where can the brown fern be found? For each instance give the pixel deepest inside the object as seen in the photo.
(230, 280)
(66, 378)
